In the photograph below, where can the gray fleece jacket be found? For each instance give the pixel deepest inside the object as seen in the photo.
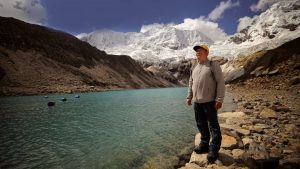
(205, 86)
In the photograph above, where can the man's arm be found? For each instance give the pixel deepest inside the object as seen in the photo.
(220, 83)
(190, 92)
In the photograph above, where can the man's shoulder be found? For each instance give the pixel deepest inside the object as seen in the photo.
(194, 63)
(214, 63)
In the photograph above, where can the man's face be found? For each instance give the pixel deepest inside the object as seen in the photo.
(201, 54)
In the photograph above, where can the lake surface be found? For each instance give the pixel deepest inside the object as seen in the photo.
(115, 129)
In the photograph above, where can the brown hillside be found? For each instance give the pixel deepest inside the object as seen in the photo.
(37, 59)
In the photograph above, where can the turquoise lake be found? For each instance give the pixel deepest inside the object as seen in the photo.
(114, 130)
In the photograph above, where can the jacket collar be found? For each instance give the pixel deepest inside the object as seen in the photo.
(203, 62)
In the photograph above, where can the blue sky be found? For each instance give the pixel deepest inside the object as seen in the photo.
(84, 16)
(78, 16)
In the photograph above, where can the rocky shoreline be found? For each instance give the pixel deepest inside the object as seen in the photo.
(263, 132)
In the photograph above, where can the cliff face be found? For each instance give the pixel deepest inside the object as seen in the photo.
(37, 59)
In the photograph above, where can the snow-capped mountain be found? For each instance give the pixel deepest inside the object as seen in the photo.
(272, 28)
(152, 44)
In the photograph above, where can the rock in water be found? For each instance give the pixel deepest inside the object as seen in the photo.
(51, 104)
(63, 99)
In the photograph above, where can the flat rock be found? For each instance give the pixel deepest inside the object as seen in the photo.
(231, 114)
(237, 121)
(268, 113)
(243, 132)
(228, 142)
(228, 127)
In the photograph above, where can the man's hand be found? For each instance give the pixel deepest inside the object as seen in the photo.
(189, 102)
(218, 105)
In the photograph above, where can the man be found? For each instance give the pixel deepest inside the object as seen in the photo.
(206, 89)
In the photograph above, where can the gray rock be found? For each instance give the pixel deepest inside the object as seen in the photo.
(225, 157)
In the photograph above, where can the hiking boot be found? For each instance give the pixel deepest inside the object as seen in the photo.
(212, 156)
(201, 149)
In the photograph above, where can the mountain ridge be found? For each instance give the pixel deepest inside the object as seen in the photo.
(37, 59)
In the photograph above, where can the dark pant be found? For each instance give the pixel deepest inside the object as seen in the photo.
(207, 122)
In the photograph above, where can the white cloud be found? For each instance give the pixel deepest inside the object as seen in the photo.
(30, 11)
(262, 5)
(244, 22)
(220, 9)
(210, 29)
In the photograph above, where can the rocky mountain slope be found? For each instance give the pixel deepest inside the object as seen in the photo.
(261, 63)
(36, 59)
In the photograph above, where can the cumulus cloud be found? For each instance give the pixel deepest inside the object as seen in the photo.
(262, 5)
(30, 11)
(217, 13)
(244, 22)
(210, 29)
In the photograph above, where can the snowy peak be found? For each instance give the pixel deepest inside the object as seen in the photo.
(105, 39)
(272, 28)
(151, 44)
(281, 18)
